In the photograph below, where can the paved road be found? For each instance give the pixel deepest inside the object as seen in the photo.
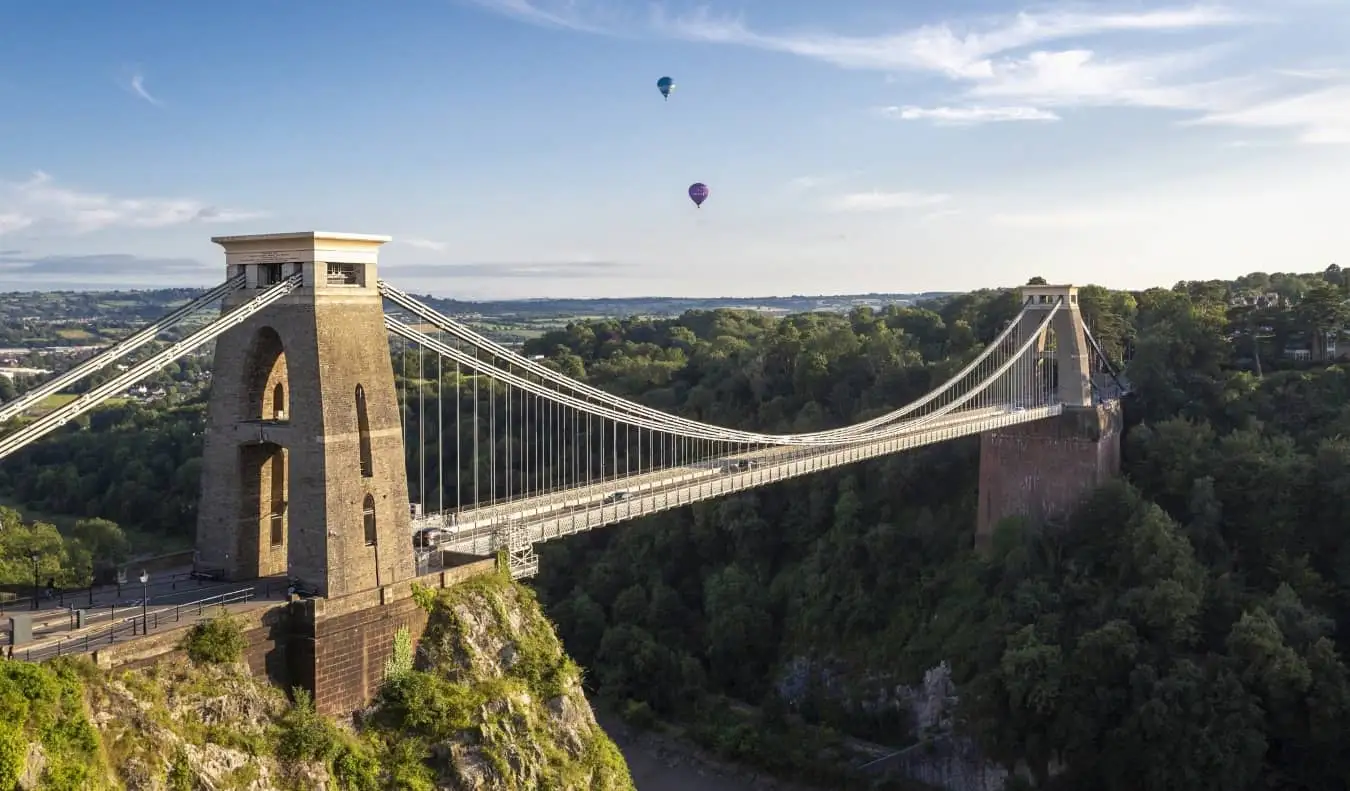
(115, 619)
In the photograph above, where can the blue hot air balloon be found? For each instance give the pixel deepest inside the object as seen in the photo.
(666, 85)
(698, 192)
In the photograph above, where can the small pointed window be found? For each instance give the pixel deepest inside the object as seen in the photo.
(368, 519)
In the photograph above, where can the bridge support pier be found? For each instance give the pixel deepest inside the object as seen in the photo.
(1043, 470)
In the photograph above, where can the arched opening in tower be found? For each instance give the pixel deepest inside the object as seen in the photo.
(264, 525)
(1048, 367)
(368, 521)
(266, 383)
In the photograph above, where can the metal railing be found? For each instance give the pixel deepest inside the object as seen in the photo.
(138, 623)
(64, 598)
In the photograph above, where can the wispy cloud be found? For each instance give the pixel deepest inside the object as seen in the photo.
(1321, 116)
(425, 244)
(941, 214)
(969, 116)
(959, 53)
(41, 201)
(136, 84)
(570, 14)
(13, 221)
(884, 201)
(1064, 219)
(22, 270)
(1023, 66)
(557, 269)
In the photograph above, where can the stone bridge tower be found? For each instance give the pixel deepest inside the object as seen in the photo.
(303, 470)
(1043, 469)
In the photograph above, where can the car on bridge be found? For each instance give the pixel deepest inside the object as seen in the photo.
(616, 497)
(428, 537)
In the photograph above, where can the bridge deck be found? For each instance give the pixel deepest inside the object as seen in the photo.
(566, 513)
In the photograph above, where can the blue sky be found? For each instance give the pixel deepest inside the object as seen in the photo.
(518, 148)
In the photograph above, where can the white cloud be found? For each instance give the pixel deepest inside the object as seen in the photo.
(41, 200)
(570, 14)
(989, 62)
(13, 221)
(941, 48)
(137, 86)
(1319, 75)
(1065, 219)
(884, 201)
(968, 116)
(1321, 116)
(941, 214)
(425, 244)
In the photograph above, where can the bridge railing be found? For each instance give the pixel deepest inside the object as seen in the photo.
(136, 623)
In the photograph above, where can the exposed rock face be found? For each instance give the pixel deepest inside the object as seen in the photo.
(491, 703)
(495, 703)
(209, 727)
(942, 757)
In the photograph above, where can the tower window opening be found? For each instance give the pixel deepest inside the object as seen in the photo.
(344, 274)
(279, 402)
(363, 434)
(368, 519)
(271, 274)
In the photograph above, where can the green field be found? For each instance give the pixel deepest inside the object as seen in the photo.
(58, 400)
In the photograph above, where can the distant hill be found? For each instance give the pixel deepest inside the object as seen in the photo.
(131, 306)
(670, 306)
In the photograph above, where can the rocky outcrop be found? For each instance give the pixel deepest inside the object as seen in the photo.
(493, 702)
(489, 703)
(941, 756)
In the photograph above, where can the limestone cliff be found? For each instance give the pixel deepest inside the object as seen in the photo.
(489, 702)
(493, 703)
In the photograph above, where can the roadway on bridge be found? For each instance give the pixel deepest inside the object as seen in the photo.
(569, 512)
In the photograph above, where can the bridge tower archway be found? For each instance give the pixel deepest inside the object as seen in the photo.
(304, 441)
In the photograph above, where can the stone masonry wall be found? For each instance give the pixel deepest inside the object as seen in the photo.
(329, 345)
(1042, 470)
(339, 646)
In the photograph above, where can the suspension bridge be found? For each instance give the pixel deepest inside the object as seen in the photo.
(321, 465)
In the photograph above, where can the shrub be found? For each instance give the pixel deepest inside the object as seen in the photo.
(305, 735)
(13, 754)
(219, 640)
(400, 662)
(355, 769)
(638, 714)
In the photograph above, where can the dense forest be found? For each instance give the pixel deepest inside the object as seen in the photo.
(1186, 628)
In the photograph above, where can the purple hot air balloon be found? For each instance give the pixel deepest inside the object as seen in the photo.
(698, 192)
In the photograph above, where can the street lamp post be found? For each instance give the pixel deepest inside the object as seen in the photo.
(145, 602)
(37, 578)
